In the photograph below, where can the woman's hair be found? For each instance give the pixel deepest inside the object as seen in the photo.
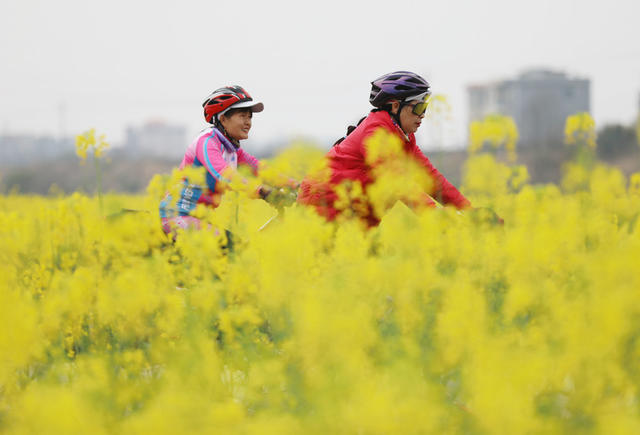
(386, 107)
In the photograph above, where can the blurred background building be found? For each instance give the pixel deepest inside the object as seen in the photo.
(25, 149)
(539, 102)
(156, 138)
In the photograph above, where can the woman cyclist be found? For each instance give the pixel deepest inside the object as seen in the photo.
(400, 99)
(229, 110)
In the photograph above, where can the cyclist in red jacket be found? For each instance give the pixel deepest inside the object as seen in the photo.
(400, 100)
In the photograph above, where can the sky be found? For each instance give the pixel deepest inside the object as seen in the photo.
(70, 65)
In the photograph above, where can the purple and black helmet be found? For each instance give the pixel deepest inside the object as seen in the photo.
(398, 85)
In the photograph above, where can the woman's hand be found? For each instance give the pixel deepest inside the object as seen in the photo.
(486, 215)
(264, 191)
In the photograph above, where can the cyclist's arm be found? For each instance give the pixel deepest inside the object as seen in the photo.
(211, 154)
(246, 158)
(443, 191)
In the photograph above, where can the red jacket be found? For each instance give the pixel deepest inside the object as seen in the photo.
(346, 161)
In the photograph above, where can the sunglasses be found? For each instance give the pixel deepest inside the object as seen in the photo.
(419, 108)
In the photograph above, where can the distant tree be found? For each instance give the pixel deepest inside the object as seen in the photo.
(616, 141)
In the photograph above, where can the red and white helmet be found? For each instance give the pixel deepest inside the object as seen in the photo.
(230, 97)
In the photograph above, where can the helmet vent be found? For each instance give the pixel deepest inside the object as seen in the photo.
(398, 85)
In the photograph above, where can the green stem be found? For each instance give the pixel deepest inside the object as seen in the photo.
(96, 162)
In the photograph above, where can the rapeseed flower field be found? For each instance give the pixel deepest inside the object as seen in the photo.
(272, 320)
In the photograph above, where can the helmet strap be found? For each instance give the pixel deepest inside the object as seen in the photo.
(220, 127)
(396, 116)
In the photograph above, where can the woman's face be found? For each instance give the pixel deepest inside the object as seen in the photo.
(409, 122)
(238, 124)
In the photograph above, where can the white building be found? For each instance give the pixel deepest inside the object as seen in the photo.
(539, 101)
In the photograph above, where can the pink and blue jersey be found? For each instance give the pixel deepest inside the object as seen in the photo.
(216, 153)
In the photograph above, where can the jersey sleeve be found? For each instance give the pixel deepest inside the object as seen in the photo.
(248, 159)
(444, 191)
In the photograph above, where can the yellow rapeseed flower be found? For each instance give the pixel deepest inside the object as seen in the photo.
(87, 141)
(580, 129)
(432, 322)
(495, 131)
